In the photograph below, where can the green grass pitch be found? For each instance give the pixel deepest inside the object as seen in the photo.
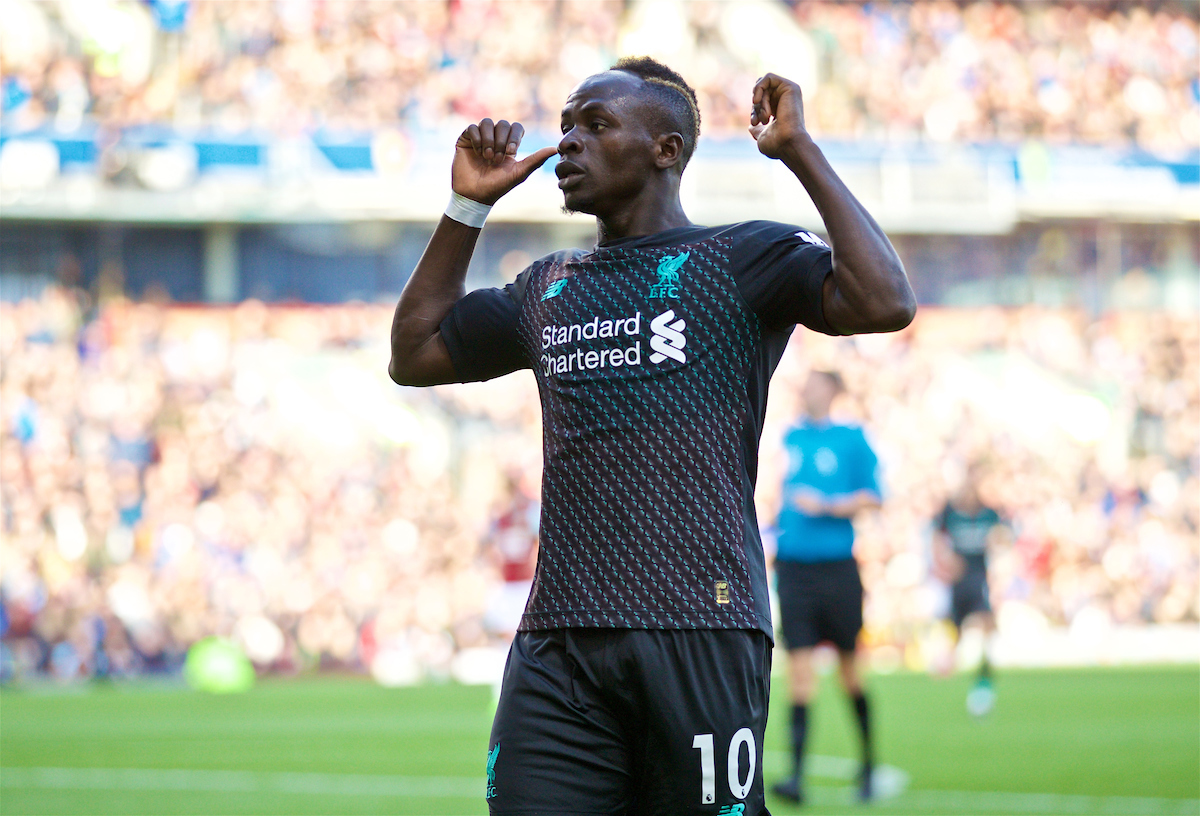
(1069, 741)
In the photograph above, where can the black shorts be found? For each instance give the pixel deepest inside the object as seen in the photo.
(820, 602)
(631, 721)
(969, 595)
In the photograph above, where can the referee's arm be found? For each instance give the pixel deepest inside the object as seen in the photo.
(847, 505)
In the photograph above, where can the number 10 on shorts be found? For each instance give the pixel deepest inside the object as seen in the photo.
(708, 767)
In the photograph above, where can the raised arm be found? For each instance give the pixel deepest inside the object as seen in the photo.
(485, 168)
(847, 505)
(868, 290)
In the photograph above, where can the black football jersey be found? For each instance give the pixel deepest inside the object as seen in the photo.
(652, 357)
(969, 534)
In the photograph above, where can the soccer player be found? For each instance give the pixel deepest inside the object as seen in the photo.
(830, 479)
(512, 544)
(963, 529)
(639, 679)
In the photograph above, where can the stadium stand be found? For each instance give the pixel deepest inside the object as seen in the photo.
(1086, 73)
(172, 472)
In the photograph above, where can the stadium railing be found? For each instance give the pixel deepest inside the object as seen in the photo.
(156, 175)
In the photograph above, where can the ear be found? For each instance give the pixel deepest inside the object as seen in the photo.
(668, 151)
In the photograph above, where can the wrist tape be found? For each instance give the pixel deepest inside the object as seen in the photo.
(467, 211)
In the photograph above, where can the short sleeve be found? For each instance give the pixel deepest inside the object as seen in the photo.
(868, 467)
(943, 519)
(780, 271)
(481, 333)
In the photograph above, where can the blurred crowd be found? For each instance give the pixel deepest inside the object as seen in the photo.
(1087, 436)
(169, 473)
(1114, 73)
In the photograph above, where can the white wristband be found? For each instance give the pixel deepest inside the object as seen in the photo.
(467, 211)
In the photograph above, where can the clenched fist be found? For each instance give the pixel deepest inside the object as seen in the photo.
(485, 161)
(777, 116)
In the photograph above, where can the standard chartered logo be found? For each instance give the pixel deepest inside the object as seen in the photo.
(624, 348)
(667, 339)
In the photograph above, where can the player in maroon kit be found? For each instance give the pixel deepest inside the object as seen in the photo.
(512, 545)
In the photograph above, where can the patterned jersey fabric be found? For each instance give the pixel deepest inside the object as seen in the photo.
(652, 357)
(968, 534)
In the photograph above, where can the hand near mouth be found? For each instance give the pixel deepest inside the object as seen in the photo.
(485, 161)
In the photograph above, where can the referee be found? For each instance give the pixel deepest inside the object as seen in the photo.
(830, 479)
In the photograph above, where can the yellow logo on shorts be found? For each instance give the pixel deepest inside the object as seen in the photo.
(722, 592)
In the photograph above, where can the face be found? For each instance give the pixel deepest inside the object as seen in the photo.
(818, 394)
(968, 492)
(606, 155)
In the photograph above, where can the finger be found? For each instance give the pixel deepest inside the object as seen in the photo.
(470, 138)
(514, 139)
(762, 100)
(774, 87)
(487, 133)
(765, 111)
(778, 87)
(533, 161)
(503, 128)
(756, 130)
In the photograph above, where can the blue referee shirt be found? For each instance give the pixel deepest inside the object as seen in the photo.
(832, 460)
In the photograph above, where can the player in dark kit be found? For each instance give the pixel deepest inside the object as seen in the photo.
(639, 679)
(831, 478)
(962, 532)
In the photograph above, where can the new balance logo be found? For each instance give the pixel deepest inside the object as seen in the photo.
(666, 339)
(732, 810)
(554, 289)
(809, 238)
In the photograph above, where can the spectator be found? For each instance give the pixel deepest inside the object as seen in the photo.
(173, 472)
(1112, 73)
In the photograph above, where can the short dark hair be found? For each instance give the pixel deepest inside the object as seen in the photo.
(674, 100)
(839, 385)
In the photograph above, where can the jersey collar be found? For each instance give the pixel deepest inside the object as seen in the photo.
(664, 238)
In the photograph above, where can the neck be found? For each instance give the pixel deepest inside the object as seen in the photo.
(818, 416)
(968, 504)
(652, 211)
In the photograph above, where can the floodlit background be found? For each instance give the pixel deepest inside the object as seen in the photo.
(209, 209)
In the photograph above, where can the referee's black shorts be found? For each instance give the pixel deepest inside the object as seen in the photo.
(631, 721)
(821, 602)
